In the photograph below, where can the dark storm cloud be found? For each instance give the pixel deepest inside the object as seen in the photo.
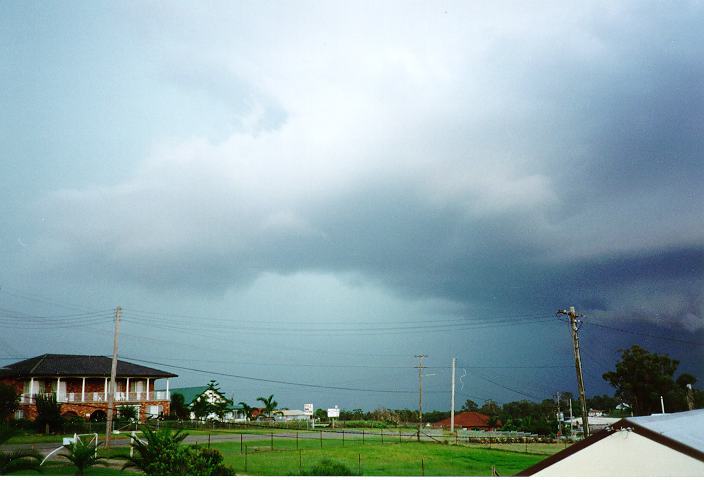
(542, 165)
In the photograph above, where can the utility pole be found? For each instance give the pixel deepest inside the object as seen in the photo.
(452, 399)
(559, 421)
(420, 368)
(574, 328)
(113, 373)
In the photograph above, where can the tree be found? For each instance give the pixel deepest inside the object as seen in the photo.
(469, 406)
(641, 377)
(9, 401)
(200, 407)
(490, 408)
(269, 405)
(178, 407)
(17, 460)
(246, 409)
(83, 455)
(220, 405)
(48, 414)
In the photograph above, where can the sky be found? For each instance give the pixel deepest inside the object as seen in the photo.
(298, 198)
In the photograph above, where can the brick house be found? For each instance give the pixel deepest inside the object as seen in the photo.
(80, 385)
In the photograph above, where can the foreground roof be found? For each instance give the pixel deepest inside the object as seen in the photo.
(52, 365)
(680, 432)
(684, 427)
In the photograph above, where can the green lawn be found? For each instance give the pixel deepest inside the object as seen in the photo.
(64, 469)
(406, 459)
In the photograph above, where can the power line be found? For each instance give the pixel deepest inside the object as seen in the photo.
(643, 334)
(281, 382)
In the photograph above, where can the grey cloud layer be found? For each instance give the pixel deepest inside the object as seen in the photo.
(539, 163)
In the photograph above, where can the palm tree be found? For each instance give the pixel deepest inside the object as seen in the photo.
(246, 409)
(83, 456)
(157, 452)
(17, 460)
(269, 405)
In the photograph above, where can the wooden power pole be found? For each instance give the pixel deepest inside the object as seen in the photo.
(113, 373)
(574, 328)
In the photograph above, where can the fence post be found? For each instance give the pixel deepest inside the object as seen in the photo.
(297, 441)
(525, 440)
(272, 441)
(208, 440)
(343, 438)
(362, 437)
(399, 437)
(321, 439)
(241, 442)
(422, 468)
(382, 437)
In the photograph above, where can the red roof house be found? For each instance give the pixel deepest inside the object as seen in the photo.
(470, 420)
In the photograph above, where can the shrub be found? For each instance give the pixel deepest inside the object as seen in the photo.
(16, 460)
(329, 468)
(161, 453)
(128, 413)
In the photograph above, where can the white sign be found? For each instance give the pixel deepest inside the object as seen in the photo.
(308, 409)
(333, 413)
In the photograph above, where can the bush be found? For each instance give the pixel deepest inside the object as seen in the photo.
(329, 468)
(163, 454)
(48, 414)
(9, 401)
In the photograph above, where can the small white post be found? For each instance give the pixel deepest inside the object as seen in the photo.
(83, 390)
(662, 404)
(31, 390)
(58, 389)
(452, 399)
(147, 388)
(168, 397)
(127, 389)
(106, 389)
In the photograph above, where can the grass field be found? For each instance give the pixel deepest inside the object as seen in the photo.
(288, 453)
(411, 459)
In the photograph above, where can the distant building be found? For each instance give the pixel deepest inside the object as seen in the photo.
(669, 445)
(291, 415)
(468, 420)
(191, 394)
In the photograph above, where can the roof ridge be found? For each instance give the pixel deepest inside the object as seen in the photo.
(36, 365)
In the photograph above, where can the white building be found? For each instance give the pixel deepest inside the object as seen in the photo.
(290, 415)
(667, 445)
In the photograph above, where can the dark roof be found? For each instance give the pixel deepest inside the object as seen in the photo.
(466, 420)
(77, 365)
(621, 424)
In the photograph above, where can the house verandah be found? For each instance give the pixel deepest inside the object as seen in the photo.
(80, 385)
